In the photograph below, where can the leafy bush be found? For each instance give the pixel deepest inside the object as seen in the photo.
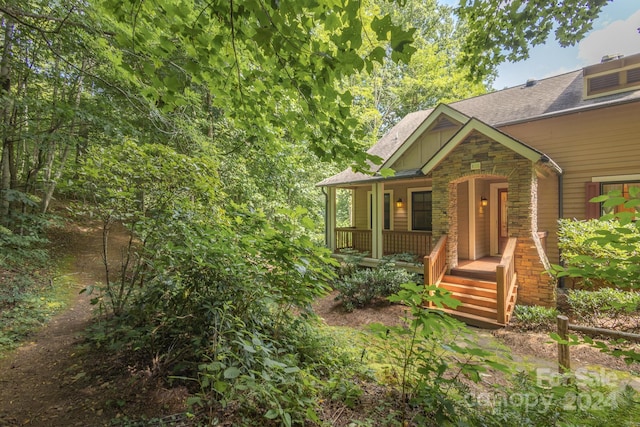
(216, 308)
(535, 317)
(600, 251)
(431, 358)
(606, 307)
(22, 233)
(361, 286)
(610, 255)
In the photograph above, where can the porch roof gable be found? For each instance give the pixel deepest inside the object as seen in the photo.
(439, 111)
(384, 148)
(502, 138)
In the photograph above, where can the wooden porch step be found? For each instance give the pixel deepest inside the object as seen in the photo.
(487, 284)
(478, 310)
(470, 289)
(474, 274)
(473, 320)
(481, 301)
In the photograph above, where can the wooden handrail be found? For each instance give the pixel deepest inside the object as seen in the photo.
(435, 264)
(506, 279)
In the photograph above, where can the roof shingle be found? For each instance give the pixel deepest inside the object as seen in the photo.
(554, 95)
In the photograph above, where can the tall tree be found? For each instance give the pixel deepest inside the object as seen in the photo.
(391, 90)
(501, 30)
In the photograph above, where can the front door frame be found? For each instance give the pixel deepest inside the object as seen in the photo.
(493, 215)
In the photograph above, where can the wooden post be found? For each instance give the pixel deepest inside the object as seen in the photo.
(564, 359)
(377, 219)
(501, 295)
(330, 220)
(428, 276)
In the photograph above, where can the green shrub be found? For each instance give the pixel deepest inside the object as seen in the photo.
(535, 317)
(431, 359)
(606, 307)
(600, 252)
(364, 285)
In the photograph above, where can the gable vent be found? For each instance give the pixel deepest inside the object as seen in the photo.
(633, 76)
(443, 123)
(617, 74)
(602, 83)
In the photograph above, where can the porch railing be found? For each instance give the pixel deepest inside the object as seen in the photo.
(435, 264)
(411, 242)
(351, 238)
(393, 242)
(506, 280)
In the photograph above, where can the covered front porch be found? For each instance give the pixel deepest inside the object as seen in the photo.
(456, 198)
(415, 243)
(378, 219)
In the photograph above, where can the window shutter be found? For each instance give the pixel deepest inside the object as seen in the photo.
(592, 210)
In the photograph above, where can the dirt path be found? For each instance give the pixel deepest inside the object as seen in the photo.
(51, 381)
(39, 382)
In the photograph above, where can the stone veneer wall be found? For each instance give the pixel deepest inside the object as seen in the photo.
(534, 286)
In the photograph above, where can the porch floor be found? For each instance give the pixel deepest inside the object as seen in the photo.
(488, 263)
(482, 268)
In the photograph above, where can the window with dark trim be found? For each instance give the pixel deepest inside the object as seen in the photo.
(386, 208)
(421, 211)
(623, 189)
(387, 211)
(594, 189)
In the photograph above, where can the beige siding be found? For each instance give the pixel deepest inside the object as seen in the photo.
(401, 190)
(483, 227)
(548, 215)
(585, 145)
(423, 149)
(361, 219)
(463, 224)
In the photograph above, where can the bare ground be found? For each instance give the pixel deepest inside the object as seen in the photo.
(52, 380)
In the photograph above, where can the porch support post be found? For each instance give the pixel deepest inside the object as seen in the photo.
(377, 219)
(330, 219)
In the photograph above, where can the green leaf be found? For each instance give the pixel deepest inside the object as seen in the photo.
(382, 27)
(232, 372)
(271, 414)
(387, 172)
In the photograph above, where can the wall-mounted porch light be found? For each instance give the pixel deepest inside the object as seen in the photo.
(399, 203)
(483, 202)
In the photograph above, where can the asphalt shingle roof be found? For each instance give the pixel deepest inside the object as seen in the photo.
(554, 95)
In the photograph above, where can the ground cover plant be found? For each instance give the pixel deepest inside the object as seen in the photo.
(534, 317)
(606, 308)
(361, 286)
(435, 373)
(31, 288)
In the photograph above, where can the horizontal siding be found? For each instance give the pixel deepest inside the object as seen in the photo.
(361, 221)
(584, 145)
(398, 190)
(463, 226)
(483, 223)
(548, 215)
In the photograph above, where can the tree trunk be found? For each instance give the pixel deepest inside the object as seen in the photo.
(5, 112)
(50, 184)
